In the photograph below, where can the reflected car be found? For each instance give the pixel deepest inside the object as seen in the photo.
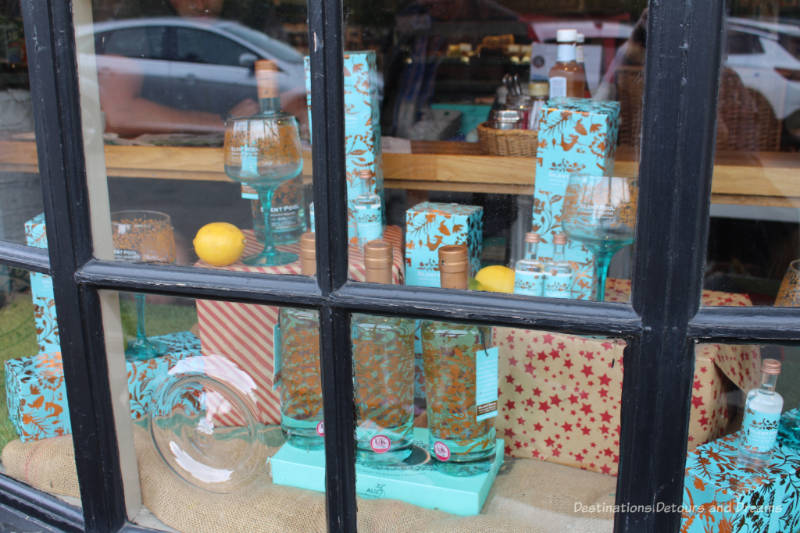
(194, 64)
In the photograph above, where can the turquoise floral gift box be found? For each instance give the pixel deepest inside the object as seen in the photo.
(44, 304)
(719, 495)
(576, 136)
(431, 225)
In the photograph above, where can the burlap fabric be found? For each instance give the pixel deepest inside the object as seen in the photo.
(529, 496)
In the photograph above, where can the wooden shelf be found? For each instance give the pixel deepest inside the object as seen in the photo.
(748, 178)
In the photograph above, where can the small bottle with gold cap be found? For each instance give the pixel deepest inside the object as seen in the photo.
(529, 271)
(383, 372)
(297, 365)
(558, 271)
(368, 211)
(762, 412)
(455, 358)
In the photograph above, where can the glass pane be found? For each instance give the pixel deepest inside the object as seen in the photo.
(195, 125)
(458, 132)
(741, 470)
(222, 414)
(20, 187)
(469, 420)
(754, 218)
(35, 429)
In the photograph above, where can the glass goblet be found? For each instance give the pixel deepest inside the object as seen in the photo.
(148, 237)
(600, 212)
(263, 152)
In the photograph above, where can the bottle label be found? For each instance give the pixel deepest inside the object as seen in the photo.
(249, 155)
(284, 217)
(558, 87)
(368, 225)
(558, 285)
(529, 283)
(486, 376)
(759, 430)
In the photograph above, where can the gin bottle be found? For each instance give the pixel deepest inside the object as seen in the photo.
(558, 271)
(368, 211)
(529, 271)
(566, 77)
(457, 432)
(383, 372)
(762, 412)
(298, 363)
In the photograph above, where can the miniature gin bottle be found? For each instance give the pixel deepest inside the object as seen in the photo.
(458, 430)
(297, 365)
(529, 271)
(566, 77)
(762, 412)
(383, 372)
(368, 211)
(558, 271)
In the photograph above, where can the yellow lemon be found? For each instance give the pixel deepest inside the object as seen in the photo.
(496, 278)
(219, 243)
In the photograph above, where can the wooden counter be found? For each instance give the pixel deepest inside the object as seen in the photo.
(747, 178)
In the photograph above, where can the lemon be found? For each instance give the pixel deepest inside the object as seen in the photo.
(496, 278)
(219, 243)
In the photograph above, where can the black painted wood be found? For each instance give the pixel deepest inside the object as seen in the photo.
(54, 92)
(746, 324)
(40, 506)
(27, 257)
(680, 103)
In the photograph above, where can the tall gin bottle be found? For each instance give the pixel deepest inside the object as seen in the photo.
(762, 412)
(558, 271)
(368, 210)
(299, 374)
(286, 214)
(449, 352)
(383, 372)
(529, 271)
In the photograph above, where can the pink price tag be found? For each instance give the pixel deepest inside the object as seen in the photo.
(321, 429)
(441, 451)
(380, 443)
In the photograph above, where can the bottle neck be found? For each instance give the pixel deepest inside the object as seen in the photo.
(531, 250)
(579, 53)
(363, 186)
(559, 252)
(565, 53)
(270, 106)
(768, 382)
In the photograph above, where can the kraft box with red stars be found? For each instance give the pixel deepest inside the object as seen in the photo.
(560, 394)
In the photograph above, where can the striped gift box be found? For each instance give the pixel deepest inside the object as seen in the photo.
(244, 332)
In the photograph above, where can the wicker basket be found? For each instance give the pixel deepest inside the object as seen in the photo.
(521, 143)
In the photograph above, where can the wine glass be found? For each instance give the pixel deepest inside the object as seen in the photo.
(600, 212)
(148, 237)
(263, 152)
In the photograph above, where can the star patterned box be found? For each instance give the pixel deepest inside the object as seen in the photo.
(362, 126)
(560, 394)
(722, 496)
(576, 136)
(44, 304)
(37, 396)
(431, 225)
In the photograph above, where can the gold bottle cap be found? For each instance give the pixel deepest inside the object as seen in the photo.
(378, 261)
(532, 237)
(770, 366)
(539, 88)
(453, 266)
(560, 238)
(364, 174)
(266, 78)
(308, 254)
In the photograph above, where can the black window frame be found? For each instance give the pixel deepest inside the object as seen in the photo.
(661, 326)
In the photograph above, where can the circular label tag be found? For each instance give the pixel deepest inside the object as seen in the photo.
(380, 443)
(441, 451)
(321, 429)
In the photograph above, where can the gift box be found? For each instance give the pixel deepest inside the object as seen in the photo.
(244, 333)
(431, 225)
(44, 304)
(560, 394)
(721, 495)
(37, 396)
(576, 135)
(362, 126)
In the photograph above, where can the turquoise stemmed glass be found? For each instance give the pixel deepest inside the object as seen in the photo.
(264, 151)
(600, 212)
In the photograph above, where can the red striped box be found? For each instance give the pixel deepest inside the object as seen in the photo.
(244, 332)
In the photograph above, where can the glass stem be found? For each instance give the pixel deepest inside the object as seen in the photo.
(140, 334)
(266, 208)
(601, 262)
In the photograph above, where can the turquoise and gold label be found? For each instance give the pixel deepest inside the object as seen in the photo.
(759, 430)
